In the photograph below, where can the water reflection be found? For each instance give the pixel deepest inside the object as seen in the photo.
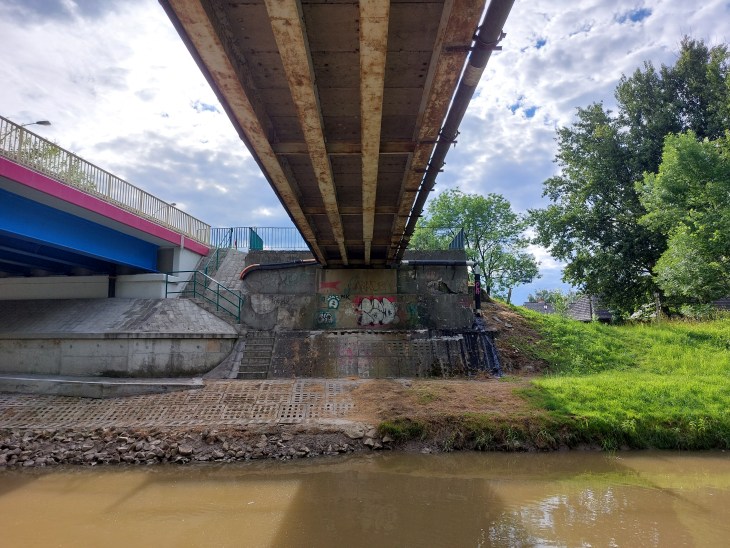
(565, 499)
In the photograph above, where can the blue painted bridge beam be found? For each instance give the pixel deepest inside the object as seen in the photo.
(33, 235)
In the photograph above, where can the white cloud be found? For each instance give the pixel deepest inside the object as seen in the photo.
(263, 212)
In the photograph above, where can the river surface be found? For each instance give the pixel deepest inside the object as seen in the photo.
(466, 499)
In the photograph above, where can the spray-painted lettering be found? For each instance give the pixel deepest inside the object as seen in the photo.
(377, 311)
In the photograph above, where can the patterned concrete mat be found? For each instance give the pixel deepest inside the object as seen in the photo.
(219, 403)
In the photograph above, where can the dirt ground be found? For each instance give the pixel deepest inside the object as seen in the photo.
(432, 398)
(380, 400)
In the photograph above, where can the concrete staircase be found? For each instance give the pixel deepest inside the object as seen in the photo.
(228, 275)
(229, 271)
(257, 354)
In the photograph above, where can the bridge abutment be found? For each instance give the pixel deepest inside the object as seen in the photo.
(402, 322)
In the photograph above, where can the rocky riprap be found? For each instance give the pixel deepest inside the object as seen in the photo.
(30, 448)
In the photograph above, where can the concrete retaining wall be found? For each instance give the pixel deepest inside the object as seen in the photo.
(310, 297)
(381, 354)
(111, 337)
(120, 355)
(134, 286)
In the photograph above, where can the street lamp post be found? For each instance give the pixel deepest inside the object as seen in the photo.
(166, 206)
(38, 123)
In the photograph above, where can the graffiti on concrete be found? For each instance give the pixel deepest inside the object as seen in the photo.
(413, 312)
(330, 285)
(325, 318)
(362, 284)
(377, 311)
(333, 302)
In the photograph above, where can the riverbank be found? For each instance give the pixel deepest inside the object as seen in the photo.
(228, 421)
(568, 385)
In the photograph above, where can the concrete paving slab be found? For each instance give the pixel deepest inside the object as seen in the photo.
(216, 404)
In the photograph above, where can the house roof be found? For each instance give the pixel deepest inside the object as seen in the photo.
(586, 307)
(544, 308)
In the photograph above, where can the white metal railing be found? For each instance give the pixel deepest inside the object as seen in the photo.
(33, 151)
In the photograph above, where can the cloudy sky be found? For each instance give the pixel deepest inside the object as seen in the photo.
(122, 91)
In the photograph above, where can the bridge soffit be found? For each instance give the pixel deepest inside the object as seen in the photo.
(258, 56)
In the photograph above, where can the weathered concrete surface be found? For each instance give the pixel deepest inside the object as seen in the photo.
(92, 387)
(111, 337)
(361, 322)
(374, 354)
(309, 297)
(224, 421)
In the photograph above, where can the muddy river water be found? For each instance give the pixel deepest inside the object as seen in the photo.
(468, 499)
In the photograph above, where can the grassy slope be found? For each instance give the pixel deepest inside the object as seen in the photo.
(664, 386)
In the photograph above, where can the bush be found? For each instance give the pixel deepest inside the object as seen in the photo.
(700, 312)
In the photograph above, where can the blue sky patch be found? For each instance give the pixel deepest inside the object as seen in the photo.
(200, 106)
(639, 14)
(530, 112)
(540, 42)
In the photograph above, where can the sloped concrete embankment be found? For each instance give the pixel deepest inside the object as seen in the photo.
(111, 338)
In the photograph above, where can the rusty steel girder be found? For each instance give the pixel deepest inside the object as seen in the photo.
(342, 104)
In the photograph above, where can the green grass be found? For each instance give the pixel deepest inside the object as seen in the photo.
(663, 385)
(403, 429)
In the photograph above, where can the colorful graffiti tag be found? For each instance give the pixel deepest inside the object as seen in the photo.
(376, 311)
(325, 318)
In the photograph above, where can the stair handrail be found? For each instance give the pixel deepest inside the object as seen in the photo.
(221, 292)
(214, 258)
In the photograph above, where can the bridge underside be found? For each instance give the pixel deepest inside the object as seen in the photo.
(341, 102)
(36, 239)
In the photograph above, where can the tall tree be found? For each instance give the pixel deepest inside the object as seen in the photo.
(493, 236)
(689, 201)
(592, 222)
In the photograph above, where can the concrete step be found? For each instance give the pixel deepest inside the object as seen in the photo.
(260, 341)
(254, 363)
(256, 337)
(257, 354)
(263, 353)
(261, 368)
(252, 375)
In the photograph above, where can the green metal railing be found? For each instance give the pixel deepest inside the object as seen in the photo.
(202, 286)
(30, 150)
(253, 238)
(214, 260)
(429, 238)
